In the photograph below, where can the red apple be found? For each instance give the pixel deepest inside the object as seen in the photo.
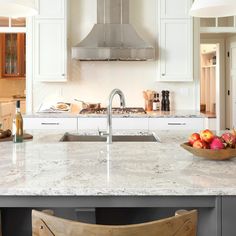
(200, 144)
(217, 144)
(207, 136)
(194, 137)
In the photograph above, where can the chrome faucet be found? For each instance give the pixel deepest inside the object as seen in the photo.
(109, 113)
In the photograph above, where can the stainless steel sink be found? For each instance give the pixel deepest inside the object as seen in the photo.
(116, 138)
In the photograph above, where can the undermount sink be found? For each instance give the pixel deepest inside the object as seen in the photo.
(115, 138)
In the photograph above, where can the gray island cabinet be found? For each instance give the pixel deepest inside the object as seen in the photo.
(122, 182)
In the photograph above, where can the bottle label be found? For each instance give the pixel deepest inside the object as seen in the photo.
(14, 128)
(155, 106)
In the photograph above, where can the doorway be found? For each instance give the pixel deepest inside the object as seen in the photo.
(12, 68)
(212, 82)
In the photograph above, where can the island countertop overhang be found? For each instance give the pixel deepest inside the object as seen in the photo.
(47, 167)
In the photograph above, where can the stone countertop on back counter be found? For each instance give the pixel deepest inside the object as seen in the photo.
(160, 114)
(47, 167)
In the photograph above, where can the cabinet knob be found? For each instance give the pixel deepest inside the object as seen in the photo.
(163, 74)
(63, 75)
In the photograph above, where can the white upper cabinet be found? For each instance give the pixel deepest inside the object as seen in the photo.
(178, 9)
(50, 42)
(176, 50)
(50, 50)
(175, 41)
(51, 9)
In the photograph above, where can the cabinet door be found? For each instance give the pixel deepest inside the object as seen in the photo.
(51, 9)
(228, 215)
(7, 122)
(177, 9)
(50, 50)
(176, 50)
(13, 55)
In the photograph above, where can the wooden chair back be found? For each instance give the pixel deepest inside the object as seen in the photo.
(183, 224)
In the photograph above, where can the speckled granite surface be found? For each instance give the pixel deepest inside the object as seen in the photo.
(160, 114)
(47, 167)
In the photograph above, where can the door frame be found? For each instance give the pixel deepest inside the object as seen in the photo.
(29, 64)
(220, 83)
(229, 87)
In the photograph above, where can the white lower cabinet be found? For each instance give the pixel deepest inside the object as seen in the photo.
(211, 123)
(92, 123)
(50, 124)
(117, 123)
(176, 124)
(130, 123)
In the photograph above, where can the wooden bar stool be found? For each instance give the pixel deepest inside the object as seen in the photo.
(184, 223)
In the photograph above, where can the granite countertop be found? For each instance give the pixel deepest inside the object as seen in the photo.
(159, 114)
(47, 167)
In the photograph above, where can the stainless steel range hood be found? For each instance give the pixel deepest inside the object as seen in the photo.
(113, 38)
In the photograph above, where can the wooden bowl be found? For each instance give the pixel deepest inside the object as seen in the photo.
(217, 155)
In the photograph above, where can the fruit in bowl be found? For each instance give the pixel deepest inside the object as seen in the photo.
(208, 145)
(229, 139)
(200, 144)
(207, 135)
(217, 144)
(194, 137)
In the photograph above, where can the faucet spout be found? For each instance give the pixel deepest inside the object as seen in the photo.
(109, 111)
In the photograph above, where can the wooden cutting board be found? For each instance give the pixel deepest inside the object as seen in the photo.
(26, 137)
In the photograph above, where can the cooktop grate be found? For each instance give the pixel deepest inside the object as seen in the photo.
(118, 111)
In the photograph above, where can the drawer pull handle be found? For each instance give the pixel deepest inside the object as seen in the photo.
(50, 123)
(177, 124)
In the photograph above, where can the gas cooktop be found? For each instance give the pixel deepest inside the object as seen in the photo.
(117, 111)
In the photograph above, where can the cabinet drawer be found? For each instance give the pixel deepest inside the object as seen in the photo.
(130, 123)
(176, 123)
(117, 123)
(50, 123)
(92, 123)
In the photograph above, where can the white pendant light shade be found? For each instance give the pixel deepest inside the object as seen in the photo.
(213, 8)
(17, 8)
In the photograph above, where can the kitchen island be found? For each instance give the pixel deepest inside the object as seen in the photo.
(46, 173)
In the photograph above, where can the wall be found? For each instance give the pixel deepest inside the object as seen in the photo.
(92, 81)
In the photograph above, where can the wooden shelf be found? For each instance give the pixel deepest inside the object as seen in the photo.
(211, 66)
(13, 78)
(211, 52)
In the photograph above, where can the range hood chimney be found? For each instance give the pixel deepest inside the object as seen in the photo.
(113, 38)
